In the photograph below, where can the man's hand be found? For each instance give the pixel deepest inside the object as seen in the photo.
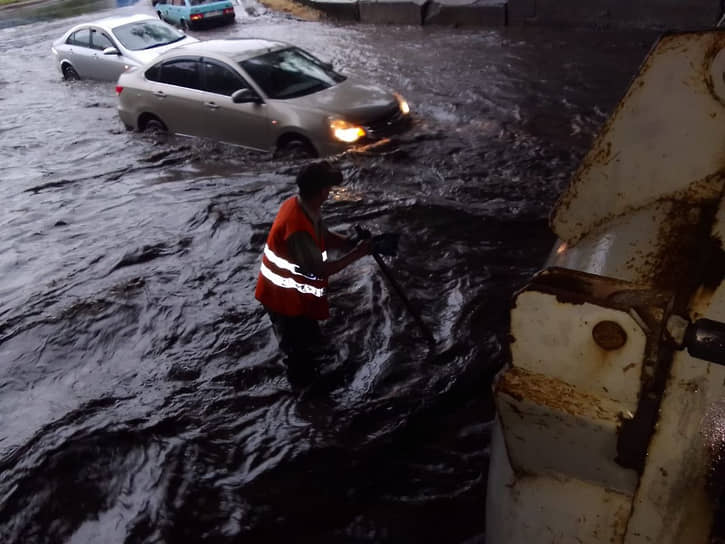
(385, 244)
(361, 234)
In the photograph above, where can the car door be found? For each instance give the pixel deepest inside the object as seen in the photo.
(177, 97)
(162, 9)
(80, 52)
(245, 124)
(166, 8)
(175, 10)
(107, 67)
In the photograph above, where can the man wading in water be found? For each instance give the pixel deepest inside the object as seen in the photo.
(292, 280)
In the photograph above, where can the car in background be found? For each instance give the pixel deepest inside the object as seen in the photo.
(104, 49)
(195, 13)
(260, 94)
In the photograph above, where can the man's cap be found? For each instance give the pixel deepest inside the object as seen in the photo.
(318, 175)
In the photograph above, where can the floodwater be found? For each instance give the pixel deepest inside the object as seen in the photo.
(142, 396)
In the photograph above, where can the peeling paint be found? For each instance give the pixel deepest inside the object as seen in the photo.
(555, 394)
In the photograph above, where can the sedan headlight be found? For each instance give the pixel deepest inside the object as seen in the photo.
(402, 104)
(346, 132)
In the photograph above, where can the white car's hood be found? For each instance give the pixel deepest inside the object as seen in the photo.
(147, 55)
(352, 100)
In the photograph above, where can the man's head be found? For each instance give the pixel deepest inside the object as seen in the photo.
(316, 176)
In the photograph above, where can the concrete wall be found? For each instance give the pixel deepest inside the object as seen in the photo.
(674, 14)
(656, 14)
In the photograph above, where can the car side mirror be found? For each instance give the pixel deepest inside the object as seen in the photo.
(243, 96)
(111, 51)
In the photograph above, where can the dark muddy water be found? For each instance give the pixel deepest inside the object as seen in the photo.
(142, 398)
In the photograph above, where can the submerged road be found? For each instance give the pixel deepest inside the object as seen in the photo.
(142, 398)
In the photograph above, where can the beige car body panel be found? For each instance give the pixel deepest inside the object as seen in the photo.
(200, 113)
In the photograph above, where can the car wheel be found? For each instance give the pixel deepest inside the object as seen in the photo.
(184, 25)
(295, 148)
(152, 124)
(69, 73)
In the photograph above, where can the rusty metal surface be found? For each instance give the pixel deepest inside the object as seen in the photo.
(555, 338)
(663, 141)
(594, 372)
(556, 395)
(673, 503)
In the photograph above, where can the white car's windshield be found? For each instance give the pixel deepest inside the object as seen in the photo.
(290, 73)
(146, 34)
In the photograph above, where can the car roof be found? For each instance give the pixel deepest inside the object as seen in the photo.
(109, 23)
(238, 49)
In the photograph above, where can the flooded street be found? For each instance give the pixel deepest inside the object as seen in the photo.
(142, 396)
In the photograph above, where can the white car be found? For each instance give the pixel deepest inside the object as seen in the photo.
(106, 48)
(261, 94)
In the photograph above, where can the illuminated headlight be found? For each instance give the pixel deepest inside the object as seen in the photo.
(346, 132)
(402, 104)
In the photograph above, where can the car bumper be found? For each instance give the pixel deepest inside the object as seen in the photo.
(208, 22)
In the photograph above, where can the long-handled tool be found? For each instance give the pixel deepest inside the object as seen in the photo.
(362, 233)
(398, 289)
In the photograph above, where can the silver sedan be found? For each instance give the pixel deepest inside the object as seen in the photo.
(106, 48)
(261, 94)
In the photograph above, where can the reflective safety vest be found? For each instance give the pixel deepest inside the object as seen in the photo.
(281, 287)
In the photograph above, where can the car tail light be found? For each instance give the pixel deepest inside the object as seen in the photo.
(196, 16)
(119, 90)
(228, 11)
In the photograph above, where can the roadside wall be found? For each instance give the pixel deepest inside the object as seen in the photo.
(655, 14)
(673, 14)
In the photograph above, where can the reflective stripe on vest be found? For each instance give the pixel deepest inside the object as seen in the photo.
(290, 283)
(283, 263)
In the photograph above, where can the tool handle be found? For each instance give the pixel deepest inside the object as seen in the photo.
(398, 289)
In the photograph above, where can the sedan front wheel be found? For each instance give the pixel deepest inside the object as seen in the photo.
(295, 148)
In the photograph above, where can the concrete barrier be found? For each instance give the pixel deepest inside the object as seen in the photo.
(655, 14)
(518, 11)
(466, 13)
(337, 9)
(669, 14)
(401, 12)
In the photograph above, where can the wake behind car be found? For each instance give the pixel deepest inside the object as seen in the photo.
(261, 94)
(106, 48)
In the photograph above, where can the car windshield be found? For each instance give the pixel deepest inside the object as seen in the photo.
(200, 2)
(146, 34)
(290, 73)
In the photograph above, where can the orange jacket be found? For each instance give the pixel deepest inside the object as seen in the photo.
(281, 287)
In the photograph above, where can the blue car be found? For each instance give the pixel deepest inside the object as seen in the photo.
(195, 13)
